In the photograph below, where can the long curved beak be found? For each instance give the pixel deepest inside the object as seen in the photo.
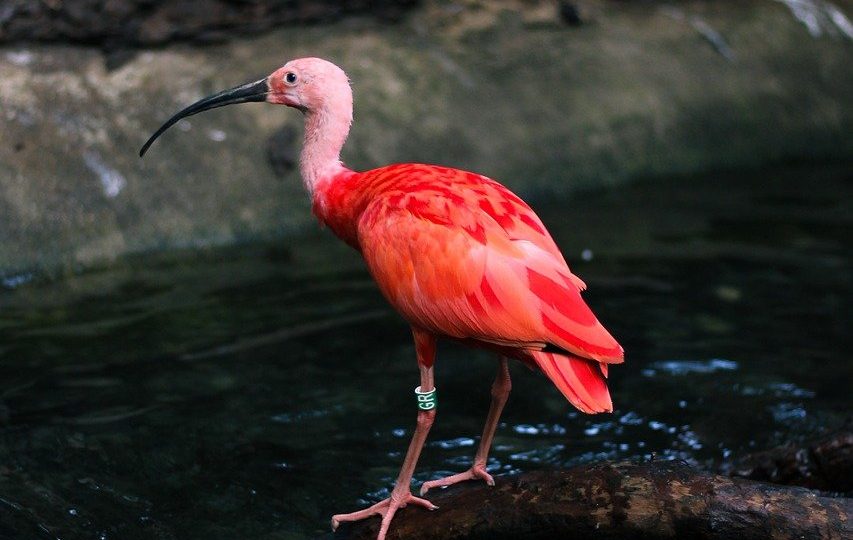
(253, 91)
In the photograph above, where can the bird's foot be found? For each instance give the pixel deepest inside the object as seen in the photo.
(386, 509)
(476, 471)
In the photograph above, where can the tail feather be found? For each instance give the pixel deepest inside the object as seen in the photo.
(580, 380)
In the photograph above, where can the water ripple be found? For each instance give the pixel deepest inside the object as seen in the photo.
(546, 454)
(684, 367)
(16, 280)
(778, 389)
(459, 442)
(785, 412)
(539, 429)
(299, 416)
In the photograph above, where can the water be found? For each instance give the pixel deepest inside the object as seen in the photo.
(253, 392)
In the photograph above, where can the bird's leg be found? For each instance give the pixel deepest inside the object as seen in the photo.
(500, 393)
(401, 495)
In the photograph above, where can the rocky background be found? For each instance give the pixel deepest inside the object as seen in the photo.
(115, 24)
(547, 97)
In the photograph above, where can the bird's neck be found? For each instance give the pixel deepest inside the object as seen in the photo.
(326, 131)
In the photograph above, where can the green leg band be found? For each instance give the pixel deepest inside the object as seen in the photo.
(426, 400)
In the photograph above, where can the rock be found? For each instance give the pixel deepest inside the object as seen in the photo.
(122, 23)
(283, 150)
(569, 13)
(825, 464)
(658, 500)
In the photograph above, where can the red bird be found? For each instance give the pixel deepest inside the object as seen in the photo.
(457, 254)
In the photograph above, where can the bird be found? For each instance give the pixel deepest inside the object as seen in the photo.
(457, 254)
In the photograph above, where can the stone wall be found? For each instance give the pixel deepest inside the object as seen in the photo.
(112, 24)
(637, 90)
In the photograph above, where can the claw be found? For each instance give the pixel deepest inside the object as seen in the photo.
(386, 508)
(476, 471)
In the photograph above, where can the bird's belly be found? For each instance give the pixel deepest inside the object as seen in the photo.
(457, 318)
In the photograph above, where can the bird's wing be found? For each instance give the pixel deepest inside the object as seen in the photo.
(470, 260)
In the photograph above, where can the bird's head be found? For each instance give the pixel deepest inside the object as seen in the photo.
(312, 85)
(309, 84)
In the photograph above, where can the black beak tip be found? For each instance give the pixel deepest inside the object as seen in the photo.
(254, 91)
(148, 144)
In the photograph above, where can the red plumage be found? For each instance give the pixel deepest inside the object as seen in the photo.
(461, 256)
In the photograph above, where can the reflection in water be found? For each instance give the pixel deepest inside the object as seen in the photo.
(260, 390)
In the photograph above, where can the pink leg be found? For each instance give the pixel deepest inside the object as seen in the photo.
(500, 393)
(402, 495)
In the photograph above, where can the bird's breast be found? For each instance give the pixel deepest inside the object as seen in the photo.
(338, 203)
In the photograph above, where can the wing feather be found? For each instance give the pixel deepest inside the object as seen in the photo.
(579, 379)
(460, 255)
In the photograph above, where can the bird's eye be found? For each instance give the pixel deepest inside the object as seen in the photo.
(290, 77)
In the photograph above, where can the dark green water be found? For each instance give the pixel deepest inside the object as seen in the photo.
(253, 392)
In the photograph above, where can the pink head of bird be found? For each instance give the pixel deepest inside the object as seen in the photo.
(310, 84)
(315, 86)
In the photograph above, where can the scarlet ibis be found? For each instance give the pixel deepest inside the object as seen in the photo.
(457, 254)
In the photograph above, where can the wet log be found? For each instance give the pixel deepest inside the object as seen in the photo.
(658, 500)
(825, 463)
